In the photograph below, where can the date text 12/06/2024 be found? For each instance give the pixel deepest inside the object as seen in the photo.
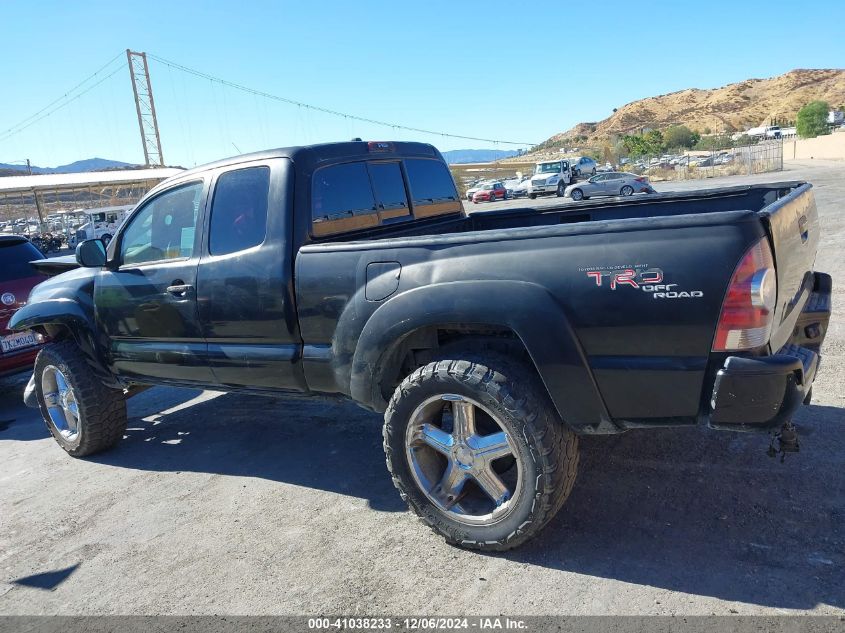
(416, 623)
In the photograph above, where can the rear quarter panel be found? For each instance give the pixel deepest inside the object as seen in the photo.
(648, 353)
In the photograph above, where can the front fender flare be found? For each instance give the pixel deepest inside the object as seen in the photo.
(527, 309)
(73, 316)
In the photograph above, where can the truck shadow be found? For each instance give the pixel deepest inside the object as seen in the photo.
(709, 513)
(685, 510)
(304, 441)
(15, 418)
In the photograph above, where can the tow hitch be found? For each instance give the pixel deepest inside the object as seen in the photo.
(787, 439)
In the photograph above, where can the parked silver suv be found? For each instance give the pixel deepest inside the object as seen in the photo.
(583, 166)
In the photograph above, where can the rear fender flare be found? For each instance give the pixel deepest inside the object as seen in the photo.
(529, 311)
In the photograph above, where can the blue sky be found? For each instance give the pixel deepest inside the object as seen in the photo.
(488, 69)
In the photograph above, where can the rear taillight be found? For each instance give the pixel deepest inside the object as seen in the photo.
(748, 308)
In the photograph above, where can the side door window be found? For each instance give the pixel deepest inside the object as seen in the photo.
(165, 228)
(239, 210)
(433, 191)
(600, 182)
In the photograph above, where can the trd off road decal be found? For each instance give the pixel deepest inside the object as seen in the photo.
(641, 277)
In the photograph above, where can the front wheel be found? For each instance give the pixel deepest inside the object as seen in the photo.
(83, 415)
(627, 190)
(577, 194)
(594, 171)
(106, 239)
(561, 189)
(478, 451)
(533, 196)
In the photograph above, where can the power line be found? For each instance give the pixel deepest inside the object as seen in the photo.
(5, 133)
(345, 115)
(12, 131)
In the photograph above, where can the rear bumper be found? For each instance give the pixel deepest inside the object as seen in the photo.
(764, 392)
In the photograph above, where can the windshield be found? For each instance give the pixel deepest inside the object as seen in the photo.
(549, 168)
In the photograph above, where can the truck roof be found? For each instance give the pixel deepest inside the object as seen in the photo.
(312, 155)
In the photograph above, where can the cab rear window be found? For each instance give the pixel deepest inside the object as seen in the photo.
(360, 195)
(433, 191)
(342, 199)
(15, 256)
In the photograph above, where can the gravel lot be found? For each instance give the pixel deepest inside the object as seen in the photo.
(226, 504)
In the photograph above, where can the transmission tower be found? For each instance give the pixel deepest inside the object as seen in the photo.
(145, 106)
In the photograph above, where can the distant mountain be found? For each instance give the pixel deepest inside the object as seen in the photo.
(458, 156)
(89, 164)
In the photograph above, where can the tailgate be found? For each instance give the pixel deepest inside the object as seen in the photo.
(793, 226)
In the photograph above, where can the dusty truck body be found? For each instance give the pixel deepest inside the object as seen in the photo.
(490, 341)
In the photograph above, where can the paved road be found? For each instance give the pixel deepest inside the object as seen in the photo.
(227, 504)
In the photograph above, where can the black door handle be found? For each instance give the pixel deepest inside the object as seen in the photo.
(179, 288)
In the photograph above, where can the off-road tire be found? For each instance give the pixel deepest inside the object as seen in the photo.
(548, 450)
(102, 411)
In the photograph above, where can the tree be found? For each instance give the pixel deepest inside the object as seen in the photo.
(644, 144)
(812, 119)
(680, 136)
(722, 141)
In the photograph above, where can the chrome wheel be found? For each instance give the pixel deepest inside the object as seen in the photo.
(462, 458)
(61, 402)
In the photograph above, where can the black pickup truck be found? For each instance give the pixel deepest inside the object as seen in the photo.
(490, 341)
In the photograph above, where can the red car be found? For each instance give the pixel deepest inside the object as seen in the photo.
(17, 278)
(490, 193)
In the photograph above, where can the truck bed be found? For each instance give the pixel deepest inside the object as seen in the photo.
(706, 201)
(645, 348)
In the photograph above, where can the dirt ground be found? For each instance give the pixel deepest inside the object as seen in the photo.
(227, 504)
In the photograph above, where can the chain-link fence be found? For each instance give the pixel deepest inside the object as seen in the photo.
(759, 158)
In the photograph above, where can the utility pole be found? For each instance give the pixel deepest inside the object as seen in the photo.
(139, 73)
(29, 167)
(39, 209)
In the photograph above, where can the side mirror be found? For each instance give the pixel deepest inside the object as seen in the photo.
(91, 253)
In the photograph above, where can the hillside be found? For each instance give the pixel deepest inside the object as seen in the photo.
(730, 108)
